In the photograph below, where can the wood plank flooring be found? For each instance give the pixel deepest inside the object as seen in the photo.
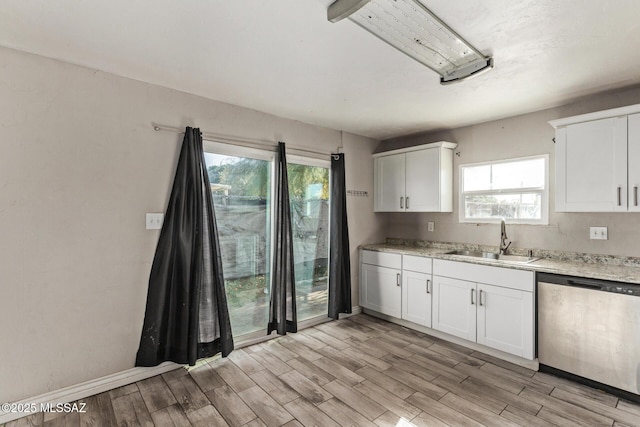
(360, 371)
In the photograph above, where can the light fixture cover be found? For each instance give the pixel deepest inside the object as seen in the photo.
(411, 28)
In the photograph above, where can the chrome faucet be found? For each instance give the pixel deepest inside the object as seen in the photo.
(504, 245)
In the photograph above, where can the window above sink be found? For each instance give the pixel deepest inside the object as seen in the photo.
(516, 190)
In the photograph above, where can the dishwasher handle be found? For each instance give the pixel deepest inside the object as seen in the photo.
(586, 285)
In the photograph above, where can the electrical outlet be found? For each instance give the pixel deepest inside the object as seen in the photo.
(154, 221)
(598, 233)
(431, 226)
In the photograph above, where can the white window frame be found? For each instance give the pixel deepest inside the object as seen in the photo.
(544, 193)
(226, 149)
(308, 161)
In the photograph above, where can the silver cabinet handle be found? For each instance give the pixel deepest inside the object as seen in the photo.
(473, 291)
(398, 279)
(635, 195)
(619, 196)
(428, 283)
(407, 202)
(401, 202)
(480, 298)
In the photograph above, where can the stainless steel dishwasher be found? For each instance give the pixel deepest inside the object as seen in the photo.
(590, 329)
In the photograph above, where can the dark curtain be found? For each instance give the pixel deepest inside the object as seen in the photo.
(339, 258)
(282, 307)
(186, 316)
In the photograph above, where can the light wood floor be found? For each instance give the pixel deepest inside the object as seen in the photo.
(355, 372)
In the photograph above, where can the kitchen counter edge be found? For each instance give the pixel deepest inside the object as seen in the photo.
(618, 273)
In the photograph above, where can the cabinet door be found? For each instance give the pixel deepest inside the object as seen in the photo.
(454, 307)
(389, 180)
(505, 320)
(634, 162)
(591, 166)
(381, 289)
(416, 297)
(423, 180)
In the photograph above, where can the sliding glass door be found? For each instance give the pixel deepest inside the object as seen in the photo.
(309, 194)
(241, 186)
(241, 183)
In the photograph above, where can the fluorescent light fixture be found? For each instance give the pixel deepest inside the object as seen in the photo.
(411, 28)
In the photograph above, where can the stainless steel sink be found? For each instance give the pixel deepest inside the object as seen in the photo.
(475, 254)
(494, 256)
(517, 258)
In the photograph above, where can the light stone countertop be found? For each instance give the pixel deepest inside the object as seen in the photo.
(604, 267)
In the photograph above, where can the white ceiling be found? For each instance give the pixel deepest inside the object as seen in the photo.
(283, 56)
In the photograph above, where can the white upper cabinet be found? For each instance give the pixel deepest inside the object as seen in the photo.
(415, 179)
(597, 161)
(633, 154)
(389, 183)
(423, 187)
(591, 166)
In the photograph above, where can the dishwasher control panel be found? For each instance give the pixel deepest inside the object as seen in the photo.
(626, 289)
(630, 289)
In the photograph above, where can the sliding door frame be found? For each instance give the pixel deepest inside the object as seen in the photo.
(269, 154)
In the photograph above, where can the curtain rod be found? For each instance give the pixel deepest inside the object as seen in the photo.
(244, 142)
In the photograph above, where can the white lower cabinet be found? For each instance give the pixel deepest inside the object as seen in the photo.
(382, 290)
(397, 285)
(381, 282)
(492, 306)
(417, 288)
(498, 315)
(453, 311)
(505, 320)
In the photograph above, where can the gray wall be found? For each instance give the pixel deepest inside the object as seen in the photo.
(79, 167)
(519, 136)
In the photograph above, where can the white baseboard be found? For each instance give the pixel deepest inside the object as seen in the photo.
(89, 388)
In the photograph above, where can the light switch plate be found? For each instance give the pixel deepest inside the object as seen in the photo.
(154, 221)
(598, 233)
(431, 226)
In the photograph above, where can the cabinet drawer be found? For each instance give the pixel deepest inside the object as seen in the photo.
(416, 263)
(383, 259)
(499, 276)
